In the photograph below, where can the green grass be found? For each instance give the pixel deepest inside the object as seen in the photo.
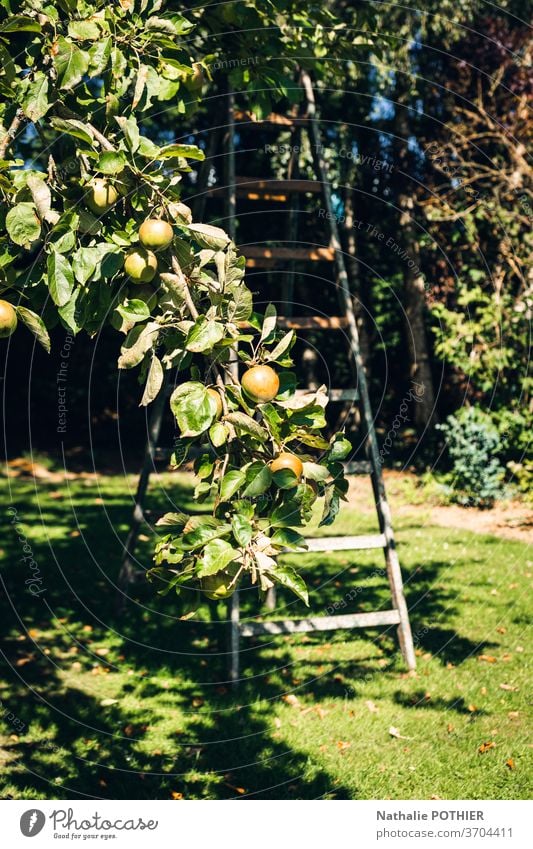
(137, 705)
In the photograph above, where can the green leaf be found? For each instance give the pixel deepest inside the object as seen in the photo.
(20, 23)
(204, 335)
(340, 448)
(99, 55)
(258, 479)
(288, 538)
(138, 341)
(245, 424)
(84, 30)
(37, 326)
(242, 530)
(193, 408)
(134, 310)
(230, 483)
(154, 382)
(217, 555)
(176, 521)
(331, 506)
(111, 162)
(42, 198)
(73, 127)
(269, 322)
(131, 131)
(23, 225)
(35, 101)
(202, 529)
(218, 434)
(288, 577)
(188, 151)
(315, 472)
(208, 236)
(71, 63)
(283, 345)
(241, 304)
(285, 479)
(69, 313)
(60, 278)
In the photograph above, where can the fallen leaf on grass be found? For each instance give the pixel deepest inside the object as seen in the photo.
(471, 708)
(342, 745)
(508, 687)
(371, 706)
(501, 630)
(197, 702)
(176, 795)
(108, 702)
(486, 746)
(395, 732)
(510, 763)
(513, 714)
(291, 700)
(488, 658)
(450, 729)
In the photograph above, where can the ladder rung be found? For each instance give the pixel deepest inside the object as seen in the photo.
(273, 121)
(320, 623)
(357, 543)
(334, 394)
(256, 252)
(250, 194)
(313, 322)
(274, 185)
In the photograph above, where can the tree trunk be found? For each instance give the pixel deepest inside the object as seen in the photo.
(414, 285)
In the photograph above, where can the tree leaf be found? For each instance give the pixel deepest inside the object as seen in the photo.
(134, 310)
(245, 424)
(42, 197)
(37, 326)
(204, 335)
(71, 63)
(22, 224)
(218, 434)
(315, 472)
(99, 56)
(269, 322)
(230, 483)
(284, 344)
(73, 127)
(194, 409)
(288, 577)
(216, 556)
(258, 479)
(84, 30)
(154, 382)
(138, 341)
(20, 23)
(131, 131)
(242, 530)
(203, 530)
(208, 236)
(240, 306)
(188, 151)
(35, 101)
(340, 448)
(111, 162)
(60, 278)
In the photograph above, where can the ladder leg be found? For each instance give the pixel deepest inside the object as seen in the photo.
(234, 637)
(128, 571)
(391, 555)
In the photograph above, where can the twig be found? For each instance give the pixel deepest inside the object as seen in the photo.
(11, 132)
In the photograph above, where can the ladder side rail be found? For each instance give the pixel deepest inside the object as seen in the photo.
(384, 515)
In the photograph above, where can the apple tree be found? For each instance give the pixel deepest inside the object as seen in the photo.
(93, 231)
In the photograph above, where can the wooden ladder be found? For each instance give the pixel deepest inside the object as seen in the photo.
(285, 191)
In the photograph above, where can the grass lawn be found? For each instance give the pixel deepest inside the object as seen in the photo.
(93, 704)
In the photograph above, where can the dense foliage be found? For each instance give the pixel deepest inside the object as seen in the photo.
(79, 223)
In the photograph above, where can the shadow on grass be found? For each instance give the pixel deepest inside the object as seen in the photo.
(169, 676)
